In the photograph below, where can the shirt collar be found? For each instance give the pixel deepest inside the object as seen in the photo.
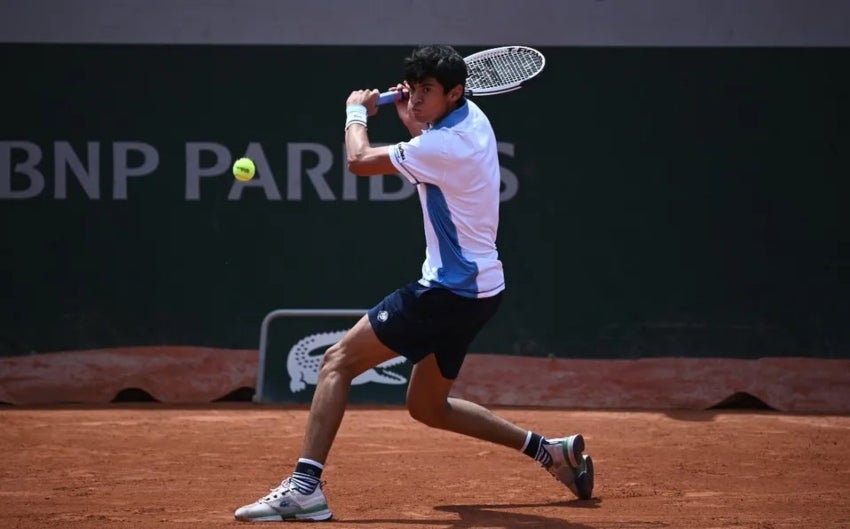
(454, 117)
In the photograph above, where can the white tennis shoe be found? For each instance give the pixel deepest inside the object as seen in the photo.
(283, 503)
(570, 466)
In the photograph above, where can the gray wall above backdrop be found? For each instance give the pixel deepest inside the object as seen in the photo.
(793, 23)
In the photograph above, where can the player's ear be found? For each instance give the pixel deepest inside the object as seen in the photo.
(456, 93)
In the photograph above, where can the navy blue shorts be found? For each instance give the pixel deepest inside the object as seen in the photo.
(416, 320)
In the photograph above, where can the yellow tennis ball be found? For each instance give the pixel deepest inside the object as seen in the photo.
(243, 169)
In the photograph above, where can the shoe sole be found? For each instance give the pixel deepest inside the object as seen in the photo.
(584, 481)
(315, 516)
(572, 448)
(321, 517)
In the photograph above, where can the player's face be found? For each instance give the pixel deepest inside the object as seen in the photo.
(429, 102)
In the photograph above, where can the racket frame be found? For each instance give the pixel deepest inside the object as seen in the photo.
(398, 95)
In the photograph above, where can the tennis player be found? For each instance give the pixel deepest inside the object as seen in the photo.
(453, 162)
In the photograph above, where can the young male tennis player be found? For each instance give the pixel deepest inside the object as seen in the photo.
(453, 162)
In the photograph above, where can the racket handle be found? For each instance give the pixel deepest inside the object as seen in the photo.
(391, 97)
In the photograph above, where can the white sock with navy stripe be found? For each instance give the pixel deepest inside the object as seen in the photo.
(307, 475)
(534, 448)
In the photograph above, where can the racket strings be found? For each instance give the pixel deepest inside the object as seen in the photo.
(506, 68)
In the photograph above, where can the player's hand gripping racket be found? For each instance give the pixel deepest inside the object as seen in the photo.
(491, 72)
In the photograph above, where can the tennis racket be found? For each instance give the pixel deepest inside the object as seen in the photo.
(494, 71)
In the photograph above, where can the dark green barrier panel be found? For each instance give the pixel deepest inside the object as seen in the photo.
(670, 201)
(291, 359)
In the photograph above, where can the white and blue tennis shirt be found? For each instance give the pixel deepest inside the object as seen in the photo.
(455, 167)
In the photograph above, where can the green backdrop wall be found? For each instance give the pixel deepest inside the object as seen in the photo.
(658, 202)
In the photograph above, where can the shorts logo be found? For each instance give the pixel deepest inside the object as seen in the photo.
(383, 315)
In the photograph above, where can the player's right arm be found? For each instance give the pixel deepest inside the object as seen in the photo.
(362, 158)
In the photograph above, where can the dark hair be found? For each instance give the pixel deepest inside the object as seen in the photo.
(441, 62)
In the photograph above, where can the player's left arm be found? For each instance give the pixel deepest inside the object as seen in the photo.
(361, 157)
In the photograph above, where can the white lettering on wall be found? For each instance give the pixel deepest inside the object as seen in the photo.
(316, 174)
(28, 168)
(205, 164)
(121, 168)
(88, 175)
(194, 171)
(510, 182)
(263, 177)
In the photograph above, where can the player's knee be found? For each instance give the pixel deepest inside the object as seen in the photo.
(426, 412)
(337, 362)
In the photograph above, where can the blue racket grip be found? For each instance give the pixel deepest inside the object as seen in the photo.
(391, 97)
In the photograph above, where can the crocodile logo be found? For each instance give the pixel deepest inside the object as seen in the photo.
(306, 355)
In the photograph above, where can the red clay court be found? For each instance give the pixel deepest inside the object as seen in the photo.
(153, 465)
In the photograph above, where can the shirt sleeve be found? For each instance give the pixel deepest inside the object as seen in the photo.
(422, 159)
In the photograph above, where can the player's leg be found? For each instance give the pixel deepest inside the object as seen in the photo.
(358, 351)
(300, 496)
(458, 321)
(428, 401)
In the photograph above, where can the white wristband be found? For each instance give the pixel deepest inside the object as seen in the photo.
(355, 114)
